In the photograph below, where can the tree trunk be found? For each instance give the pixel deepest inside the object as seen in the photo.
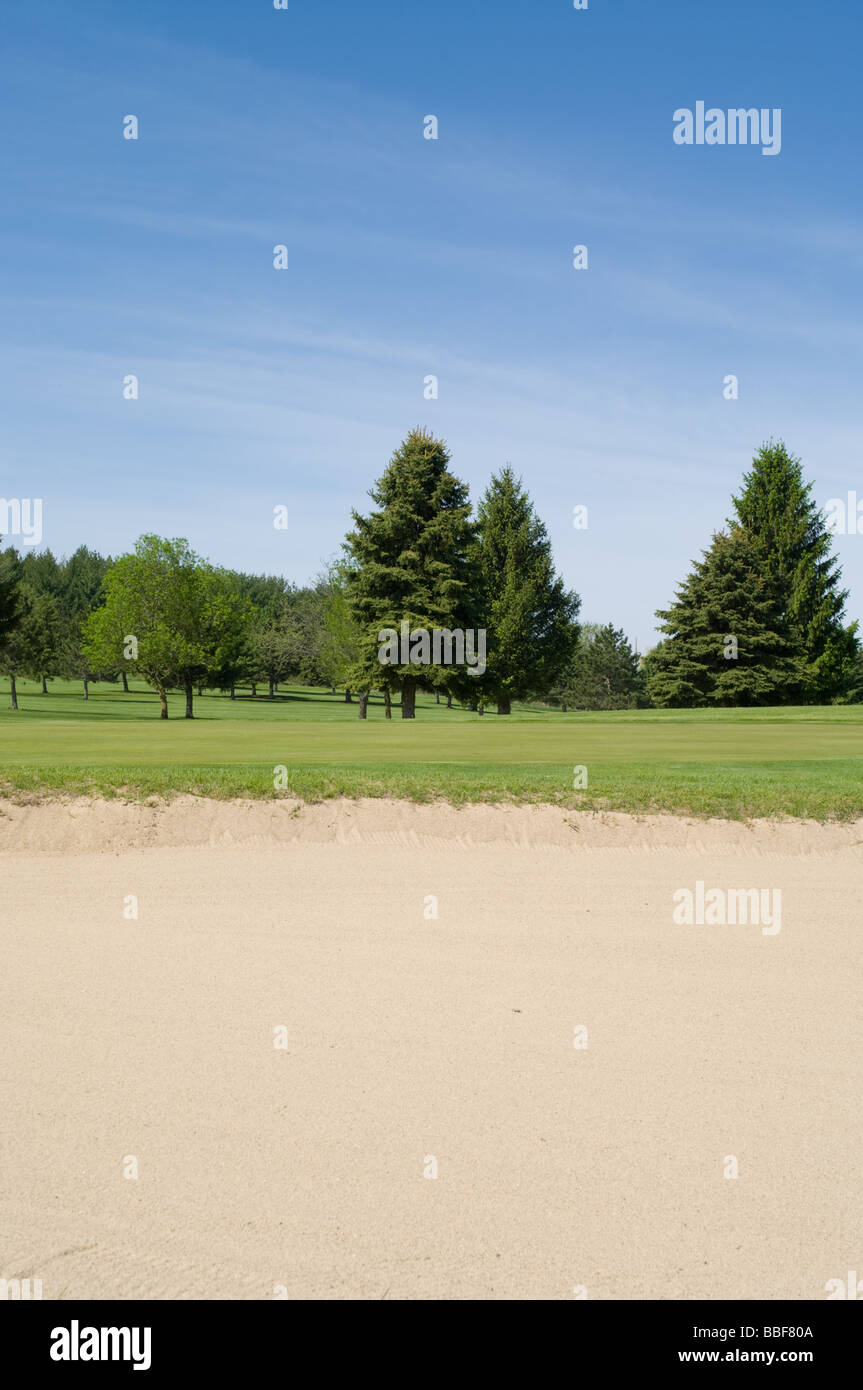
(503, 705)
(200, 691)
(480, 709)
(163, 702)
(125, 683)
(409, 696)
(388, 704)
(348, 699)
(254, 689)
(437, 697)
(332, 690)
(190, 713)
(449, 702)
(233, 692)
(44, 686)
(272, 689)
(86, 687)
(14, 690)
(363, 699)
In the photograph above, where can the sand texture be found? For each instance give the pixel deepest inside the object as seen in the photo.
(419, 1045)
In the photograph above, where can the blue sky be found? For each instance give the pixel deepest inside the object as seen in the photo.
(410, 257)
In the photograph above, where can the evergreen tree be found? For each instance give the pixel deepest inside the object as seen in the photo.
(407, 563)
(726, 643)
(855, 688)
(42, 574)
(42, 636)
(13, 608)
(793, 545)
(605, 672)
(10, 591)
(528, 614)
(80, 594)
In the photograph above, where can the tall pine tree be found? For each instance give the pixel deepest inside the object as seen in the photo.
(408, 562)
(793, 543)
(726, 643)
(528, 614)
(772, 583)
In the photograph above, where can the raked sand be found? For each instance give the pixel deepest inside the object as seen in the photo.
(418, 1044)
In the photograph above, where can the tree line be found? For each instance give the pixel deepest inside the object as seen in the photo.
(759, 620)
(161, 613)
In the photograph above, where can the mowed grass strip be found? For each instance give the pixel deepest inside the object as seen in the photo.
(804, 762)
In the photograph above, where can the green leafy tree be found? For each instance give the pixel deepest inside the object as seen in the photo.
(530, 618)
(222, 633)
(340, 637)
(271, 642)
(172, 616)
(265, 598)
(407, 562)
(307, 636)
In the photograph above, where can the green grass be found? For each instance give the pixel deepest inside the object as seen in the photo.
(736, 763)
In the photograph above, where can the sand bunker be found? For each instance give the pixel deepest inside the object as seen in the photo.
(375, 1050)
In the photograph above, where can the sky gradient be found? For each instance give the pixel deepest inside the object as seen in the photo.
(410, 257)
